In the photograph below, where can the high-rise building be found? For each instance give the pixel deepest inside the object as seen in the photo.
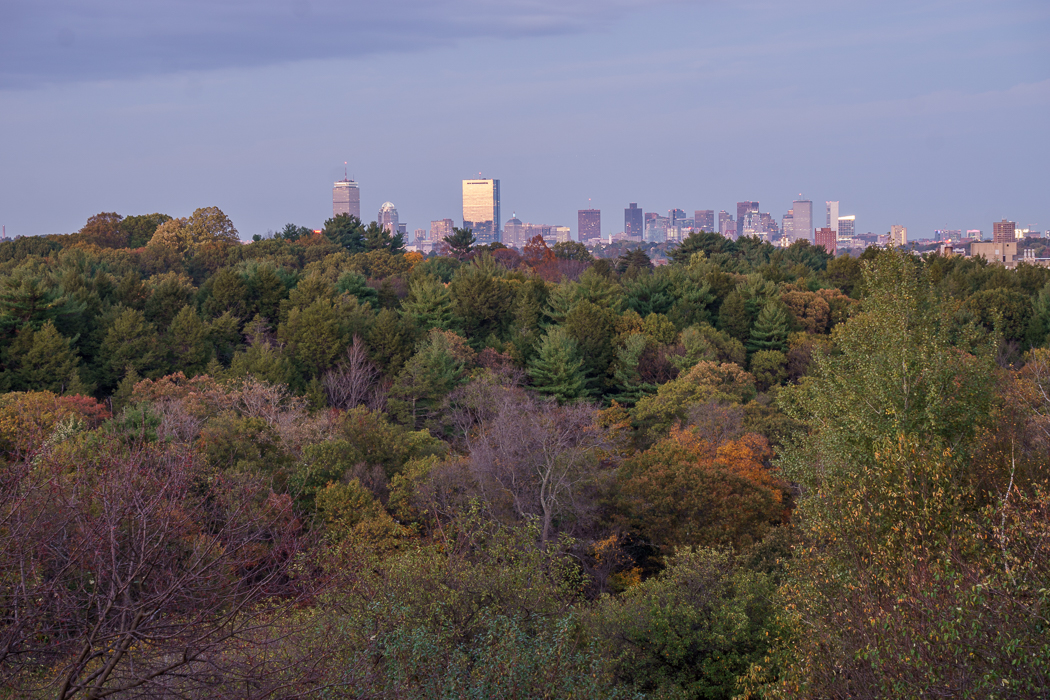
(656, 228)
(752, 225)
(1004, 231)
(388, 218)
(975, 234)
(704, 219)
(726, 224)
(589, 226)
(440, 229)
(787, 225)
(847, 226)
(481, 209)
(742, 210)
(512, 233)
(633, 221)
(346, 198)
(898, 235)
(833, 216)
(827, 238)
(677, 216)
(802, 219)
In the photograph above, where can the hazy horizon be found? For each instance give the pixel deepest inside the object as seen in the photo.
(929, 115)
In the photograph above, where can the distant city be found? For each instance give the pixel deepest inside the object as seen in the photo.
(836, 232)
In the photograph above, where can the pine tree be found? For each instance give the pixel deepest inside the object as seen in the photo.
(424, 382)
(48, 363)
(733, 318)
(557, 368)
(771, 329)
(187, 343)
(429, 304)
(629, 385)
(130, 341)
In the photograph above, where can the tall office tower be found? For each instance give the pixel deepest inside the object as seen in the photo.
(589, 226)
(1004, 231)
(656, 228)
(562, 234)
(726, 224)
(388, 218)
(787, 225)
(440, 229)
(975, 234)
(742, 210)
(833, 216)
(677, 216)
(847, 225)
(704, 219)
(752, 225)
(827, 238)
(802, 220)
(769, 225)
(346, 198)
(898, 235)
(633, 221)
(420, 234)
(512, 233)
(481, 209)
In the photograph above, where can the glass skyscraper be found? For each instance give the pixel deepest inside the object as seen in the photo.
(802, 219)
(481, 209)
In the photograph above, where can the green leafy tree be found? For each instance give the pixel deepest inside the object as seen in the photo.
(594, 330)
(103, 230)
(572, 250)
(315, 336)
(138, 230)
(769, 368)
(557, 368)
(628, 384)
(205, 226)
(733, 317)
(705, 343)
(170, 294)
(482, 300)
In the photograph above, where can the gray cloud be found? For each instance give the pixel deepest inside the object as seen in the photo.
(70, 41)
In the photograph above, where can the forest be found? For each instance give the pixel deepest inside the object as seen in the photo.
(315, 465)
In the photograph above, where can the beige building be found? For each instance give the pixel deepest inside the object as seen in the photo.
(1006, 253)
(898, 235)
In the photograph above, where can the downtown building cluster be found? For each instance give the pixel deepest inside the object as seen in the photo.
(481, 214)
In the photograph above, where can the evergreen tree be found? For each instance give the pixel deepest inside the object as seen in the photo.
(461, 242)
(132, 343)
(49, 362)
(733, 318)
(629, 387)
(771, 329)
(355, 284)
(391, 341)
(186, 343)
(425, 380)
(347, 231)
(429, 304)
(557, 369)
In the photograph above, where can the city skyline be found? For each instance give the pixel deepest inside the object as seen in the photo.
(934, 117)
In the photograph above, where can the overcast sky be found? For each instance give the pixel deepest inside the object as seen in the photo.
(929, 114)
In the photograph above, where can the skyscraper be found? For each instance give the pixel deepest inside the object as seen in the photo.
(847, 226)
(440, 229)
(589, 226)
(787, 225)
(388, 218)
(726, 225)
(833, 216)
(633, 222)
(346, 198)
(704, 219)
(898, 235)
(481, 209)
(802, 219)
(742, 210)
(512, 233)
(1004, 231)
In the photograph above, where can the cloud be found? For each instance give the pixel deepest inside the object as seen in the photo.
(57, 41)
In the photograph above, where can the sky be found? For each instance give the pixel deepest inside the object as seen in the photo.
(930, 114)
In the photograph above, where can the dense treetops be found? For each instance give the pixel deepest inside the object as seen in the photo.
(315, 461)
